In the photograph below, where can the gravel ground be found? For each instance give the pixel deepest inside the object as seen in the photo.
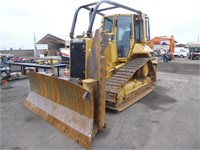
(167, 118)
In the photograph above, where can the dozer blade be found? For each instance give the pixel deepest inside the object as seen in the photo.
(63, 104)
(77, 111)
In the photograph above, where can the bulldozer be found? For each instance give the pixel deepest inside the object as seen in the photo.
(109, 69)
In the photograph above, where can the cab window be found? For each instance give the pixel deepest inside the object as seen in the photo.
(182, 50)
(196, 49)
(138, 30)
(108, 24)
(124, 24)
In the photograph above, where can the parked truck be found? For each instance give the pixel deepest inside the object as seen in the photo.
(194, 53)
(181, 52)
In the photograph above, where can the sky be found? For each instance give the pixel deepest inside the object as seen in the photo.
(20, 19)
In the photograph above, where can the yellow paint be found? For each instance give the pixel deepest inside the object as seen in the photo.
(129, 86)
(88, 43)
(145, 70)
(141, 49)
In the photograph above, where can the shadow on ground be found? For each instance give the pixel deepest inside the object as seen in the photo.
(157, 100)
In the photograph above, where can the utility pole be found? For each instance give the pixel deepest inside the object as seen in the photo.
(198, 30)
(35, 48)
(1, 43)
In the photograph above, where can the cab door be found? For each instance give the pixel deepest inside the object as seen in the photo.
(123, 35)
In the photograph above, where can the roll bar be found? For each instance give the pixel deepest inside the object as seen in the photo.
(94, 11)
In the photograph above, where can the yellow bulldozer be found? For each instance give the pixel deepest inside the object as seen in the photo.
(110, 69)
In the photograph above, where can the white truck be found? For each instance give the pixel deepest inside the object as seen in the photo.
(181, 52)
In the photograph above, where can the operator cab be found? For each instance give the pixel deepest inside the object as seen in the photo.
(123, 29)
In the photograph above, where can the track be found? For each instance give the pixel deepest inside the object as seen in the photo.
(117, 82)
(124, 74)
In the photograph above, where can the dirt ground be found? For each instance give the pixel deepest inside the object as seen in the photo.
(167, 118)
